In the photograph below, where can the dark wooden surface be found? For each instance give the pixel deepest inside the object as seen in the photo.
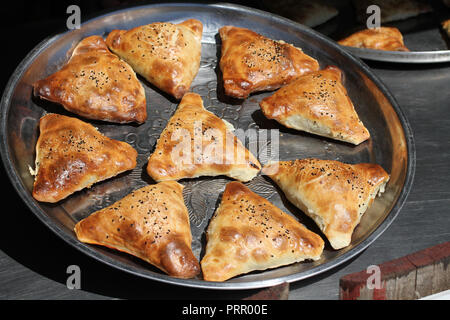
(33, 261)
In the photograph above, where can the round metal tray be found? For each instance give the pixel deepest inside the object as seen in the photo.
(391, 144)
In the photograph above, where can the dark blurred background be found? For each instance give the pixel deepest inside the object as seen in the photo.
(26, 23)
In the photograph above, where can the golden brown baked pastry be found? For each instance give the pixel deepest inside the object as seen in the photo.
(166, 54)
(249, 233)
(151, 223)
(96, 84)
(72, 155)
(251, 62)
(334, 194)
(197, 143)
(446, 26)
(383, 38)
(317, 103)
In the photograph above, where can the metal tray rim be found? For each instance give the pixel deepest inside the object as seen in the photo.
(437, 56)
(14, 177)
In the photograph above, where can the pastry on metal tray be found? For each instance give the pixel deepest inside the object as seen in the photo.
(96, 84)
(317, 103)
(251, 62)
(197, 143)
(151, 223)
(249, 233)
(72, 155)
(334, 194)
(166, 54)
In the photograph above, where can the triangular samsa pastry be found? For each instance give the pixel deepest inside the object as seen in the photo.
(382, 38)
(166, 54)
(197, 143)
(317, 103)
(446, 26)
(249, 233)
(96, 84)
(251, 62)
(72, 155)
(151, 223)
(334, 194)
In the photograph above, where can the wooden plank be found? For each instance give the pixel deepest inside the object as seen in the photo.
(410, 277)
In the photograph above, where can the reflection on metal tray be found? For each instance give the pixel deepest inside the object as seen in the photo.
(391, 144)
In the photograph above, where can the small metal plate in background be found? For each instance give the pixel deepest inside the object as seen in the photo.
(422, 34)
(391, 144)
